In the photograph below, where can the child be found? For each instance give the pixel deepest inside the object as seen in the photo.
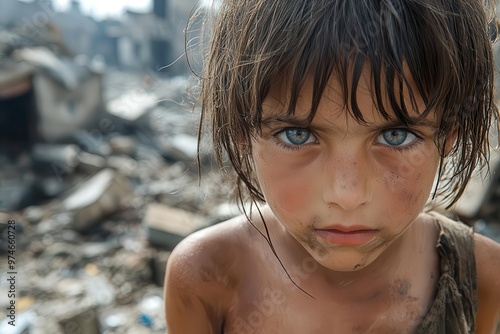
(344, 117)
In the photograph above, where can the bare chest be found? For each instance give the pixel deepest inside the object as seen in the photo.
(286, 309)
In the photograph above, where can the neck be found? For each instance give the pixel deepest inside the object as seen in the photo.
(369, 282)
(386, 273)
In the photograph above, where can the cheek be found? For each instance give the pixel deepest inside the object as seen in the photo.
(286, 185)
(409, 178)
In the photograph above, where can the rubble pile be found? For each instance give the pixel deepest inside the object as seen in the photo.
(93, 252)
(99, 207)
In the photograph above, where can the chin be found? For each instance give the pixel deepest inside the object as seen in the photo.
(348, 260)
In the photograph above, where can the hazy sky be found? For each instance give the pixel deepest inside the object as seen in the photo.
(104, 8)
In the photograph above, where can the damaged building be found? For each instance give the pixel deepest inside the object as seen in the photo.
(137, 41)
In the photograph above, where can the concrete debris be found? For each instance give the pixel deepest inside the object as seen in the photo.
(167, 226)
(64, 316)
(65, 72)
(125, 165)
(90, 250)
(102, 194)
(133, 105)
(100, 290)
(181, 147)
(125, 145)
(90, 163)
(84, 322)
(98, 174)
(60, 158)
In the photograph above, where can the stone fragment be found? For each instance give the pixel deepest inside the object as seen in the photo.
(123, 145)
(167, 226)
(103, 194)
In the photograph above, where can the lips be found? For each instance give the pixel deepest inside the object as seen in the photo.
(349, 236)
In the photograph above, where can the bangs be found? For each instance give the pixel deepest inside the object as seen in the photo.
(406, 45)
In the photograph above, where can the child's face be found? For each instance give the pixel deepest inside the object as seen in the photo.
(345, 191)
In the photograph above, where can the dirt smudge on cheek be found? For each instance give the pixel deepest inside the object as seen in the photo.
(392, 180)
(404, 189)
(409, 196)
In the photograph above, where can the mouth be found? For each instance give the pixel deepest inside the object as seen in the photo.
(348, 236)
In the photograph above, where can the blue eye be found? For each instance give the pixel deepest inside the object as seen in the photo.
(396, 137)
(296, 136)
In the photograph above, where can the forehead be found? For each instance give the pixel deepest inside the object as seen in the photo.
(339, 97)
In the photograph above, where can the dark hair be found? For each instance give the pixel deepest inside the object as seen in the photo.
(444, 45)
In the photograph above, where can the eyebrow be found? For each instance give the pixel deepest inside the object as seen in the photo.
(414, 121)
(286, 118)
(291, 120)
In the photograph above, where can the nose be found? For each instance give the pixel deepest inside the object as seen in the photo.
(347, 181)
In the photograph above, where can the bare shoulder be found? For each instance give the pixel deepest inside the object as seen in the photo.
(210, 253)
(487, 253)
(201, 273)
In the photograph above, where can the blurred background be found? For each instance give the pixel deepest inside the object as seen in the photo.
(98, 172)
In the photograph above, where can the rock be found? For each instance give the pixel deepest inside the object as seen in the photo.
(103, 194)
(167, 226)
(181, 147)
(123, 164)
(123, 145)
(84, 321)
(60, 159)
(132, 105)
(90, 163)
